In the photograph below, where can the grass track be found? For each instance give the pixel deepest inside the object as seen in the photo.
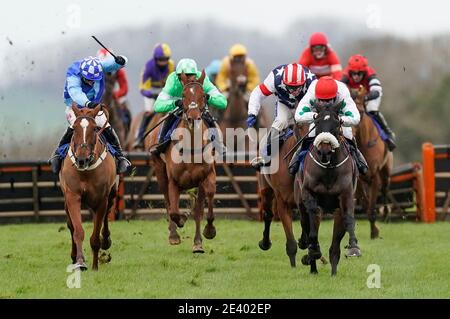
(414, 260)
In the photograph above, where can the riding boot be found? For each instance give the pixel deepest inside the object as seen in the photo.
(55, 161)
(216, 137)
(358, 156)
(390, 141)
(162, 142)
(112, 138)
(260, 161)
(144, 123)
(294, 164)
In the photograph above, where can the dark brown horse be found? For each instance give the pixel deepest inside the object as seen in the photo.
(328, 182)
(115, 109)
(379, 159)
(187, 164)
(88, 176)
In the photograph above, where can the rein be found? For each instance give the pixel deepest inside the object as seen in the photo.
(330, 166)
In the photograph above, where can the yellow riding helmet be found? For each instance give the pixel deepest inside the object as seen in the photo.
(238, 49)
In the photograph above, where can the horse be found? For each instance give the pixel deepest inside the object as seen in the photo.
(379, 159)
(115, 109)
(88, 176)
(327, 181)
(235, 115)
(178, 168)
(279, 186)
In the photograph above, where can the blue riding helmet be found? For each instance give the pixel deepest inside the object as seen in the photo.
(91, 69)
(213, 68)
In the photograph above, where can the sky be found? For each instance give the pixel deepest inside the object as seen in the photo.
(30, 23)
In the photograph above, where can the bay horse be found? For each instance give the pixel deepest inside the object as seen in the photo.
(327, 182)
(379, 159)
(115, 109)
(179, 168)
(88, 176)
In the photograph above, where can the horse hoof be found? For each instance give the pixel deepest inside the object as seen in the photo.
(353, 252)
(104, 257)
(374, 233)
(178, 219)
(314, 254)
(305, 260)
(323, 260)
(105, 245)
(175, 240)
(265, 245)
(313, 272)
(209, 232)
(302, 244)
(80, 266)
(198, 249)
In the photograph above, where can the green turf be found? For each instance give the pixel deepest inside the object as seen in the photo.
(414, 260)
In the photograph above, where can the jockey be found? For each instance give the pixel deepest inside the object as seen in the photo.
(153, 79)
(84, 87)
(328, 91)
(121, 93)
(237, 52)
(289, 83)
(320, 58)
(357, 73)
(212, 70)
(170, 100)
(118, 77)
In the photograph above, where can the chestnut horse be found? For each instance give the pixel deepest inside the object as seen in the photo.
(278, 184)
(379, 159)
(88, 176)
(189, 166)
(328, 182)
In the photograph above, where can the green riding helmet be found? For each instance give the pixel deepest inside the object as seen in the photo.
(187, 66)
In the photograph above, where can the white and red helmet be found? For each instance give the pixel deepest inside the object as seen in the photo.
(294, 75)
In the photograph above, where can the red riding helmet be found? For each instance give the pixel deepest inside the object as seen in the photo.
(357, 63)
(318, 38)
(294, 75)
(326, 88)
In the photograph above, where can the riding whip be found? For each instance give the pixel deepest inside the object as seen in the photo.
(298, 143)
(103, 46)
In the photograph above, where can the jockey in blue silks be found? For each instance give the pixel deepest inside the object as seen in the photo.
(84, 87)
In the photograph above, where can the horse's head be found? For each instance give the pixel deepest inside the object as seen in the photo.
(84, 135)
(358, 96)
(238, 74)
(193, 98)
(327, 131)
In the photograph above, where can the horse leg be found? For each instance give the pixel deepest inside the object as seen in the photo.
(314, 222)
(266, 200)
(163, 183)
(105, 239)
(347, 210)
(174, 209)
(73, 204)
(100, 213)
(198, 216)
(209, 185)
(372, 210)
(73, 253)
(335, 248)
(303, 241)
(285, 215)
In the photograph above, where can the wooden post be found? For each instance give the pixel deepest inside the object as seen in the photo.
(429, 182)
(34, 178)
(420, 192)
